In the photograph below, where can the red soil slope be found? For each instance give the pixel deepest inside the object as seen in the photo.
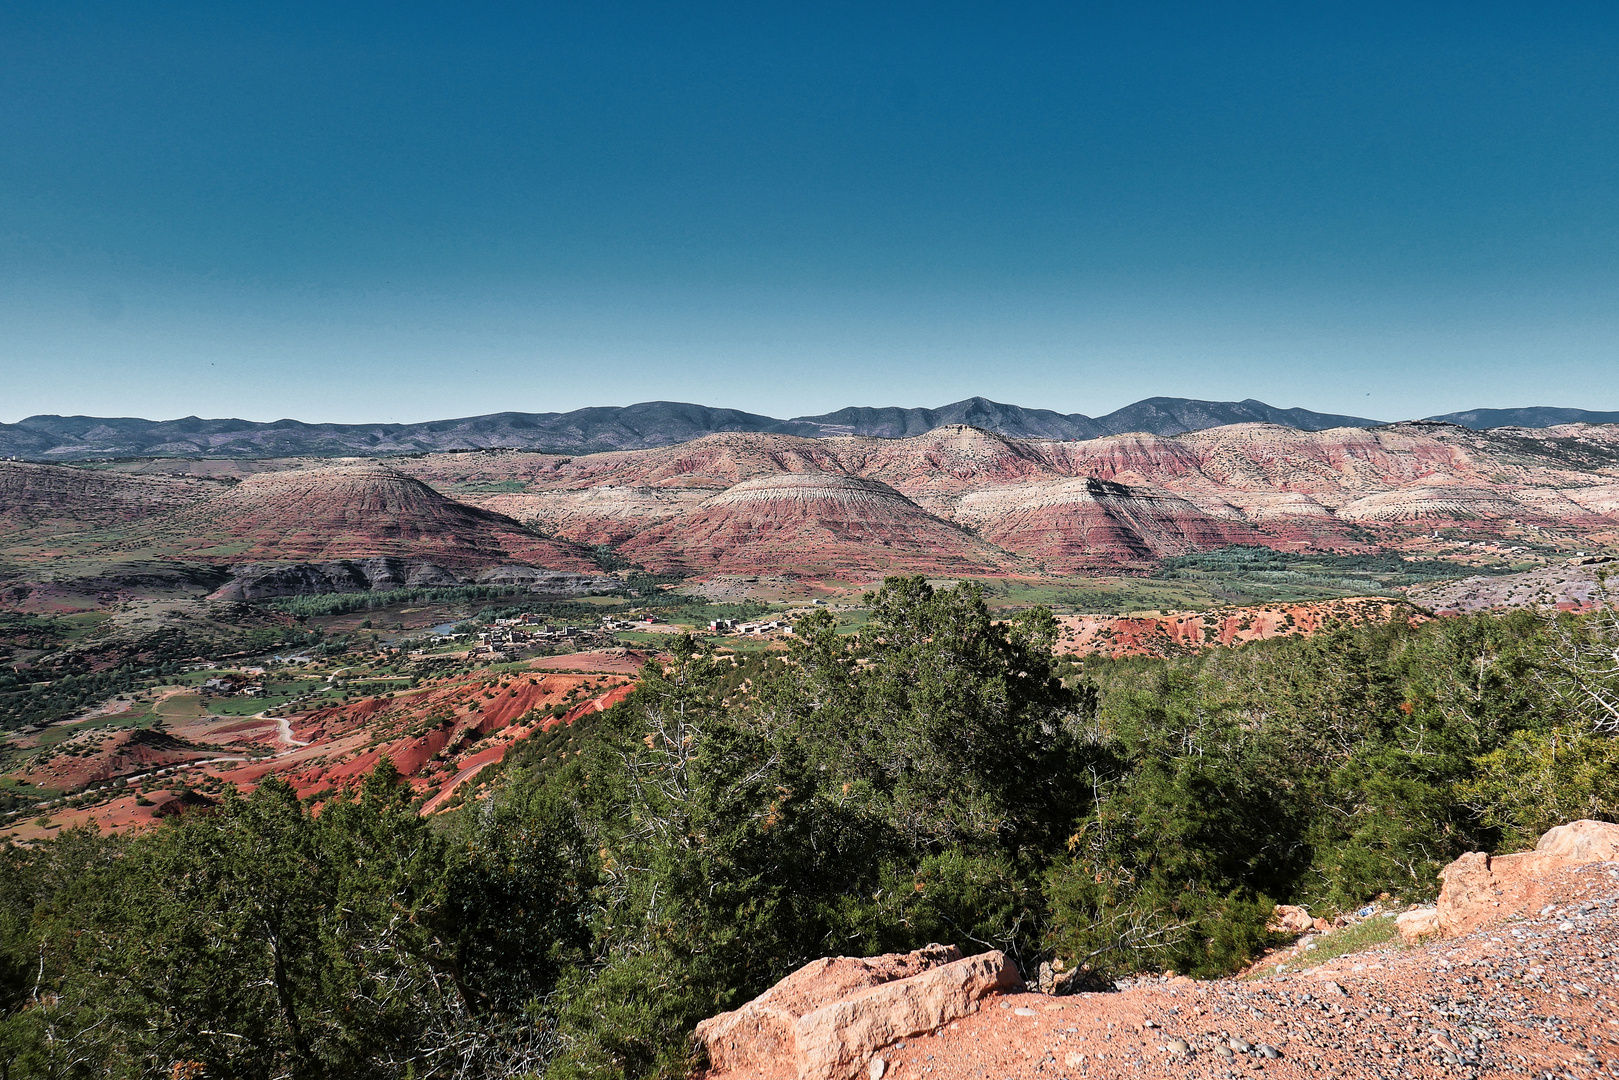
(433, 735)
(441, 736)
(98, 757)
(1179, 633)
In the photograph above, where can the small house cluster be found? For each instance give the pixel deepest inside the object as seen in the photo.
(233, 684)
(645, 622)
(737, 626)
(507, 636)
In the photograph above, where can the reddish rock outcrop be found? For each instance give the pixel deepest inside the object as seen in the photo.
(761, 1032)
(1581, 841)
(1480, 889)
(831, 1016)
(838, 1041)
(1178, 633)
(1417, 924)
(1290, 919)
(1534, 1001)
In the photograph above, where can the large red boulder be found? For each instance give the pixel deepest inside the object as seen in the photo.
(1583, 841)
(829, 1017)
(1480, 889)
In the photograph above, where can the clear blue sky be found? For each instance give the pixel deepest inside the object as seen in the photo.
(403, 211)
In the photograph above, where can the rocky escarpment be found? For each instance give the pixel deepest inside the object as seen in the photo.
(262, 581)
(145, 577)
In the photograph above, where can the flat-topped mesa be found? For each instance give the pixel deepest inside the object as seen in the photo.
(830, 1016)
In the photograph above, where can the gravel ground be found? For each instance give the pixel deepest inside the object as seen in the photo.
(1534, 996)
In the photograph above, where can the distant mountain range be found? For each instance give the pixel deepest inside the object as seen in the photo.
(664, 423)
(1159, 415)
(1537, 417)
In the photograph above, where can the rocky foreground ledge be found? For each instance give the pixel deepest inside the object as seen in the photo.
(1480, 889)
(1515, 992)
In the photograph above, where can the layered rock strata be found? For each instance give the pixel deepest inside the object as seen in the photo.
(360, 511)
(1066, 506)
(953, 500)
(813, 521)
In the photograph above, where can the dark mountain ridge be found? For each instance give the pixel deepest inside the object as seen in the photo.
(653, 423)
(1538, 416)
(661, 423)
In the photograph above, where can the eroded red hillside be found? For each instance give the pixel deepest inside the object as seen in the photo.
(735, 501)
(816, 522)
(1179, 632)
(359, 511)
(1122, 500)
(36, 496)
(441, 736)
